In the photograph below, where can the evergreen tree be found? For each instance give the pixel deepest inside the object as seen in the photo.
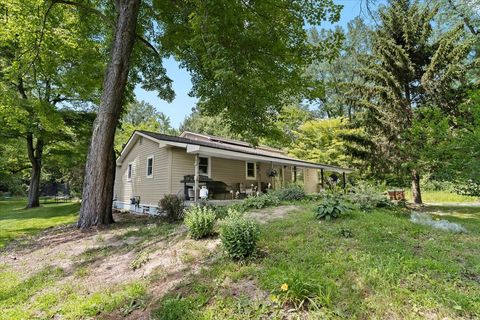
(409, 72)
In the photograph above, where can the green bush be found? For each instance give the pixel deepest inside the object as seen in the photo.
(332, 207)
(291, 193)
(239, 236)
(261, 201)
(173, 205)
(368, 197)
(468, 188)
(199, 221)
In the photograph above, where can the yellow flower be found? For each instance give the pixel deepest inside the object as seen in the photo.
(284, 287)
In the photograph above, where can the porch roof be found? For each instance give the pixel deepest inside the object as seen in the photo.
(223, 149)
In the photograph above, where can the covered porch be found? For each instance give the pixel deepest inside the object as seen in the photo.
(259, 174)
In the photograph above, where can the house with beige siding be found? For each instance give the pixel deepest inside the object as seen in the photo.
(152, 165)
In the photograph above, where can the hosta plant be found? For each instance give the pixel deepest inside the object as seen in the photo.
(332, 207)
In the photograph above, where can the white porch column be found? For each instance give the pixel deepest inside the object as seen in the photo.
(195, 187)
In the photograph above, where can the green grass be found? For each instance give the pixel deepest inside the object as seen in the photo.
(364, 265)
(384, 267)
(441, 197)
(16, 221)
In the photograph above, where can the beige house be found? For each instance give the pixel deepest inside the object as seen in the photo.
(152, 165)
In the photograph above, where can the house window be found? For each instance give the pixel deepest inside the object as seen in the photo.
(150, 167)
(251, 170)
(129, 171)
(204, 166)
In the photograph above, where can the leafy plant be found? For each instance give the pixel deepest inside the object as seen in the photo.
(199, 221)
(173, 205)
(345, 232)
(291, 193)
(469, 188)
(303, 292)
(262, 201)
(173, 308)
(332, 207)
(139, 261)
(239, 236)
(367, 197)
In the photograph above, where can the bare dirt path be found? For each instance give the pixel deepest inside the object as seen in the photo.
(270, 214)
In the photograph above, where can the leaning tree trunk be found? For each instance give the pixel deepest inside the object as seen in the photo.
(98, 184)
(416, 194)
(35, 154)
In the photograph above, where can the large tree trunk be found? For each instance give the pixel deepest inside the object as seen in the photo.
(35, 154)
(416, 194)
(98, 185)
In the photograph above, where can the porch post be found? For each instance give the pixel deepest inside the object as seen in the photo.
(195, 187)
(272, 178)
(259, 179)
(283, 175)
(294, 173)
(323, 183)
(344, 181)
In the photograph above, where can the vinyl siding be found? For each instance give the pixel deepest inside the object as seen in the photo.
(182, 164)
(150, 190)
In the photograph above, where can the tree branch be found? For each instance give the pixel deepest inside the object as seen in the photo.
(106, 19)
(466, 20)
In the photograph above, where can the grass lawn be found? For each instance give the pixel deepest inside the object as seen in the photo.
(16, 221)
(368, 265)
(365, 265)
(441, 197)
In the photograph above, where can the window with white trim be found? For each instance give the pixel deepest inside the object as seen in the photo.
(251, 169)
(129, 171)
(204, 166)
(150, 167)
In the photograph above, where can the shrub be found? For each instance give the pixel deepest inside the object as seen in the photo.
(262, 201)
(239, 236)
(314, 196)
(291, 193)
(367, 197)
(173, 205)
(468, 188)
(332, 207)
(199, 221)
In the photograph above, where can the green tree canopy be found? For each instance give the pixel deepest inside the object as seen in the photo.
(141, 115)
(408, 73)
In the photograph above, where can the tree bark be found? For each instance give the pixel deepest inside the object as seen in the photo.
(98, 184)
(35, 154)
(416, 194)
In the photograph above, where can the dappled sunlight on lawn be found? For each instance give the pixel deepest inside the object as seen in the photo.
(458, 211)
(16, 221)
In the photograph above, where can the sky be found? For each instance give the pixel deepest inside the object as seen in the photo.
(182, 106)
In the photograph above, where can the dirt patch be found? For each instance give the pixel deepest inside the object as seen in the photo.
(106, 258)
(243, 288)
(269, 214)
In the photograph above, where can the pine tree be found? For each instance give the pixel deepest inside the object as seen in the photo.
(409, 71)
